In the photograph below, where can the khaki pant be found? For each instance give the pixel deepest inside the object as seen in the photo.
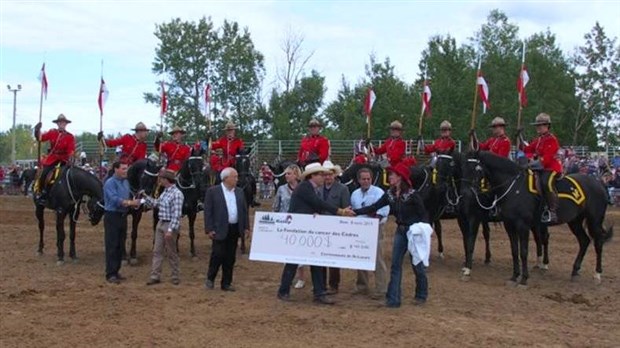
(170, 248)
(381, 270)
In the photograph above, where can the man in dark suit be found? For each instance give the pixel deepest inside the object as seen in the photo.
(226, 218)
(306, 200)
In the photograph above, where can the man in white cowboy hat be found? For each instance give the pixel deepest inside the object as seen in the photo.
(394, 146)
(176, 152)
(230, 145)
(444, 144)
(313, 145)
(62, 148)
(306, 200)
(336, 193)
(499, 143)
(543, 151)
(133, 146)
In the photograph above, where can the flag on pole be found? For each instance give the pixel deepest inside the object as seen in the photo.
(207, 99)
(103, 95)
(164, 99)
(426, 99)
(522, 81)
(369, 102)
(483, 90)
(43, 79)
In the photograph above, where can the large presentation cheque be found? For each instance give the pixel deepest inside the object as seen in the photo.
(319, 240)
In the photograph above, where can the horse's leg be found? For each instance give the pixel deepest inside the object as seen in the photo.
(486, 233)
(465, 226)
(524, 237)
(514, 250)
(536, 232)
(72, 251)
(191, 216)
(544, 236)
(60, 236)
(40, 217)
(437, 225)
(136, 216)
(596, 231)
(576, 226)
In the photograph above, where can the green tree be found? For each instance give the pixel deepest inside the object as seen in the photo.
(25, 145)
(597, 73)
(345, 113)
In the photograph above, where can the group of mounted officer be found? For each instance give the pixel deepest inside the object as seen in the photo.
(542, 150)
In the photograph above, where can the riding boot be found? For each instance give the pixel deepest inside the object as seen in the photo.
(552, 202)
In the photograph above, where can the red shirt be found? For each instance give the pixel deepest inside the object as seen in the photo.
(216, 162)
(394, 148)
(132, 148)
(230, 148)
(62, 146)
(360, 159)
(545, 148)
(498, 145)
(176, 154)
(409, 161)
(441, 145)
(317, 144)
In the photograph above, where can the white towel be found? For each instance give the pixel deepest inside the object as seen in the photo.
(419, 245)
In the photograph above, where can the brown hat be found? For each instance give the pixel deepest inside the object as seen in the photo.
(167, 174)
(445, 125)
(396, 125)
(230, 125)
(314, 122)
(140, 127)
(541, 119)
(498, 121)
(177, 129)
(61, 118)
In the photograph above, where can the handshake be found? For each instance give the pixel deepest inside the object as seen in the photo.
(134, 203)
(346, 212)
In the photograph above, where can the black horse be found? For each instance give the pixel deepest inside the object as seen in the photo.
(26, 179)
(521, 209)
(379, 174)
(247, 183)
(277, 168)
(142, 176)
(65, 197)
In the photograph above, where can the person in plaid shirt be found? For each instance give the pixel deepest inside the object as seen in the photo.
(170, 204)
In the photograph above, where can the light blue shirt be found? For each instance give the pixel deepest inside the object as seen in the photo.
(360, 199)
(231, 204)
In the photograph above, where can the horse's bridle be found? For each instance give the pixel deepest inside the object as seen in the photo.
(192, 174)
(496, 199)
(449, 181)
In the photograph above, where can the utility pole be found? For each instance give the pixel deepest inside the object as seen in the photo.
(14, 90)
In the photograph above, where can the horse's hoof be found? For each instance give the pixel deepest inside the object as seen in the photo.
(574, 277)
(511, 283)
(133, 261)
(441, 256)
(40, 253)
(465, 278)
(466, 271)
(125, 262)
(75, 260)
(597, 279)
(544, 267)
(487, 261)
(60, 262)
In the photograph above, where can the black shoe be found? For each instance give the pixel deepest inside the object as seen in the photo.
(113, 280)
(229, 288)
(209, 284)
(153, 281)
(284, 297)
(323, 300)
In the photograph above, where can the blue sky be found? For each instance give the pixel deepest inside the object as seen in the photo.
(72, 37)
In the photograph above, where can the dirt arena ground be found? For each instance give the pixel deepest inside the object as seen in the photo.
(45, 305)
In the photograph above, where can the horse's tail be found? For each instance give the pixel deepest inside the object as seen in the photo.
(608, 233)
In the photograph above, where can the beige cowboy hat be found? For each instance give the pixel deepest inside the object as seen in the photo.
(167, 174)
(140, 127)
(329, 166)
(313, 168)
(177, 129)
(445, 125)
(541, 119)
(314, 122)
(61, 118)
(498, 121)
(230, 125)
(396, 125)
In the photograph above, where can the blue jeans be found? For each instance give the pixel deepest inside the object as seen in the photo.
(399, 249)
(288, 274)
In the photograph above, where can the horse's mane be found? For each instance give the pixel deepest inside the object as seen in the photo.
(497, 163)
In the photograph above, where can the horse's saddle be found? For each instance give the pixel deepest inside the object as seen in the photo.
(566, 187)
(52, 176)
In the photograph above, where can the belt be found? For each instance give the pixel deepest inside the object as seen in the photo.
(164, 220)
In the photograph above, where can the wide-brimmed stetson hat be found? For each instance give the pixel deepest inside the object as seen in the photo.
(329, 166)
(498, 122)
(177, 129)
(541, 119)
(396, 125)
(230, 125)
(167, 174)
(314, 122)
(140, 127)
(61, 118)
(445, 125)
(402, 170)
(313, 168)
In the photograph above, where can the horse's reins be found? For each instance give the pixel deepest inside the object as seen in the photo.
(453, 186)
(180, 178)
(497, 199)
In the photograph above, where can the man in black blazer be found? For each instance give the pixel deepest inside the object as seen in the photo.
(305, 200)
(226, 218)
